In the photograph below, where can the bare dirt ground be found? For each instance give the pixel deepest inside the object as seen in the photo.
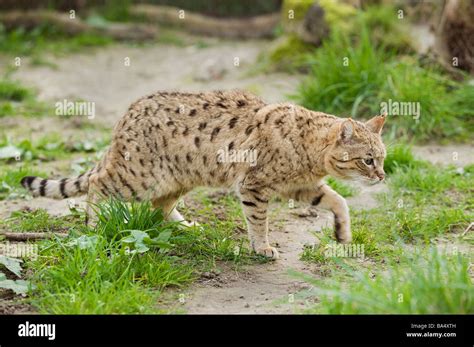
(104, 78)
(101, 76)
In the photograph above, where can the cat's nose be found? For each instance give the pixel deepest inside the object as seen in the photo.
(381, 175)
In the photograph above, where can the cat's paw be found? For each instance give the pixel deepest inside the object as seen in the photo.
(345, 238)
(268, 251)
(191, 224)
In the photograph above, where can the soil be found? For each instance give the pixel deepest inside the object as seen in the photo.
(101, 76)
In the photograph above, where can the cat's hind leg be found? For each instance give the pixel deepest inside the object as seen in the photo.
(255, 206)
(168, 206)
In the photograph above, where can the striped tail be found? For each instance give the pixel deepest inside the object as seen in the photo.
(58, 189)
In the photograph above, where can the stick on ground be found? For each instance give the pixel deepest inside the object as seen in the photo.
(30, 236)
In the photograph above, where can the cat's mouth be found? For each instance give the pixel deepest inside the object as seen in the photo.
(373, 181)
(367, 180)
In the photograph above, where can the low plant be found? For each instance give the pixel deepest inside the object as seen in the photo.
(425, 283)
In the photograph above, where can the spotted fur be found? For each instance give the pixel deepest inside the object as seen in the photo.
(169, 143)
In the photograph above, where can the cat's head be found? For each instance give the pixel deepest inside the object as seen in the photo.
(357, 151)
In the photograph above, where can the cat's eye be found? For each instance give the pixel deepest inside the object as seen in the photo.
(369, 161)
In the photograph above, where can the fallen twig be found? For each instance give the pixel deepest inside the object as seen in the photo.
(12, 236)
(253, 27)
(470, 227)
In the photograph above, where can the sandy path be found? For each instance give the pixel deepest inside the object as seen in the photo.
(102, 77)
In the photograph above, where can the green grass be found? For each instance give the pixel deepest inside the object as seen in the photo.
(400, 156)
(50, 39)
(10, 177)
(370, 245)
(116, 11)
(46, 38)
(376, 72)
(16, 99)
(402, 271)
(102, 278)
(118, 267)
(125, 262)
(428, 180)
(49, 147)
(424, 202)
(315, 254)
(385, 28)
(426, 283)
(380, 23)
(13, 91)
(424, 224)
(37, 221)
(217, 238)
(444, 105)
(344, 78)
(134, 254)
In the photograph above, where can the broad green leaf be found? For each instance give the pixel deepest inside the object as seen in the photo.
(141, 248)
(9, 151)
(164, 236)
(11, 264)
(18, 286)
(139, 235)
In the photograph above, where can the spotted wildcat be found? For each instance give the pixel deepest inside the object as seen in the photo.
(168, 143)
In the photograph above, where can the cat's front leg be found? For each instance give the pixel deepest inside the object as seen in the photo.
(342, 221)
(255, 207)
(325, 197)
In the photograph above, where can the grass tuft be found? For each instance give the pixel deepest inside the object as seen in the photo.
(12, 91)
(37, 221)
(430, 283)
(46, 38)
(359, 76)
(400, 156)
(123, 264)
(341, 83)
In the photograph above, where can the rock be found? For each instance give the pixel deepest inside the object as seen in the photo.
(455, 35)
(314, 27)
(293, 13)
(306, 24)
(305, 212)
(210, 70)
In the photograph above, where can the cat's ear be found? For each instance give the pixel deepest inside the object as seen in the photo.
(346, 132)
(376, 124)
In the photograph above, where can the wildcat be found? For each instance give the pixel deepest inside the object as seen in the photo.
(169, 143)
